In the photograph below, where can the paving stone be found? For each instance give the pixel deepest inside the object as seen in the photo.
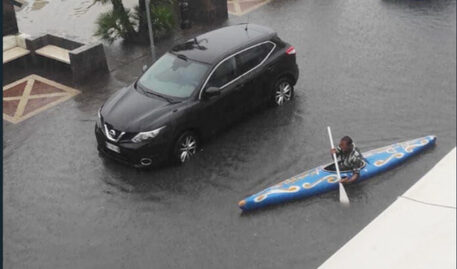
(31, 95)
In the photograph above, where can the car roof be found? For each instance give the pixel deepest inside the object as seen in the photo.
(213, 46)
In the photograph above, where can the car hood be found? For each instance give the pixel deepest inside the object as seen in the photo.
(131, 111)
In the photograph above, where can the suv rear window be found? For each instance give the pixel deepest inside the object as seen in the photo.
(253, 57)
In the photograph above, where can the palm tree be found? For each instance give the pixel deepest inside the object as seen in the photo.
(119, 19)
(121, 22)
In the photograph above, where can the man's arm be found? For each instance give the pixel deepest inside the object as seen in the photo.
(357, 166)
(354, 177)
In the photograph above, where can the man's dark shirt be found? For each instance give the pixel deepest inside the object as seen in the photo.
(350, 161)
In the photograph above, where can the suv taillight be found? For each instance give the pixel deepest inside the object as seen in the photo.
(290, 50)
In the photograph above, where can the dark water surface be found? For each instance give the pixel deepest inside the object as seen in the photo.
(379, 71)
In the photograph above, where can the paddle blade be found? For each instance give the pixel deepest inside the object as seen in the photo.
(343, 196)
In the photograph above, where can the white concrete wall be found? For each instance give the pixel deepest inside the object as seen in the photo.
(416, 231)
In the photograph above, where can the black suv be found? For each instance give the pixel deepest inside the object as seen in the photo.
(194, 90)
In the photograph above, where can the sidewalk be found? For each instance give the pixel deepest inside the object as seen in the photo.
(416, 231)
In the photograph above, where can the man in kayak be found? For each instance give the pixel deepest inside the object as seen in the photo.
(349, 157)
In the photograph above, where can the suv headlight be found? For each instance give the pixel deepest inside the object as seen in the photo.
(143, 136)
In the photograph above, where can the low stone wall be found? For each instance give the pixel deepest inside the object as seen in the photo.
(36, 42)
(85, 59)
(88, 60)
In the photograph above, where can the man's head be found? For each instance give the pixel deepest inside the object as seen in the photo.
(346, 144)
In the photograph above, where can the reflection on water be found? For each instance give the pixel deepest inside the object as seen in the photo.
(76, 18)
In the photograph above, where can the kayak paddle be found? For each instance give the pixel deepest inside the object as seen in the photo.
(343, 196)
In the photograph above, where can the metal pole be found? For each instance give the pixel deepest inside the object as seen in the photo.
(151, 38)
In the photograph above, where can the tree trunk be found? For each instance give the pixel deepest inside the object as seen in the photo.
(118, 7)
(143, 34)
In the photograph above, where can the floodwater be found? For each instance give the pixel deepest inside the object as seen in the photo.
(380, 71)
(63, 17)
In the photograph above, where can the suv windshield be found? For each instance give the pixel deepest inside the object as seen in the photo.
(173, 76)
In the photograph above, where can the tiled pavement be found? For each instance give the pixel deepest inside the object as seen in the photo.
(31, 95)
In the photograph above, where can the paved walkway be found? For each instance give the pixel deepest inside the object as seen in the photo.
(416, 231)
(242, 7)
(31, 95)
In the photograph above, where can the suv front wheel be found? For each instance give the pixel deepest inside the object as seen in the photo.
(185, 147)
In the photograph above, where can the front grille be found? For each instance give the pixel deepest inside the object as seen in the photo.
(111, 133)
(127, 137)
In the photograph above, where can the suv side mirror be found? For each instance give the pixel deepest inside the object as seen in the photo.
(212, 91)
(145, 67)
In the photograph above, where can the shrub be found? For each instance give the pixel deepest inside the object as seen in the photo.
(132, 26)
(109, 26)
(162, 19)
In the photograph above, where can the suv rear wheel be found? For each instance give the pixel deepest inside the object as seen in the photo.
(283, 91)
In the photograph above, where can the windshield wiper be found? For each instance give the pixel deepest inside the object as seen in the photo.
(182, 57)
(169, 100)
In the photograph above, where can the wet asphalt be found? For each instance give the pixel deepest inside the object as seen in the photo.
(379, 71)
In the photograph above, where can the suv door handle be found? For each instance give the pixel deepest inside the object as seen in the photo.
(239, 86)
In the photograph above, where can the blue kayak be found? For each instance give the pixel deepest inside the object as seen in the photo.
(324, 179)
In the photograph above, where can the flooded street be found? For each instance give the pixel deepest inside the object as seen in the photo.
(62, 17)
(380, 71)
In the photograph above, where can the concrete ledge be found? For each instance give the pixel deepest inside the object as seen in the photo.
(88, 60)
(416, 231)
(14, 47)
(13, 54)
(9, 42)
(36, 42)
(39, 41)
(84, 59)
(54, 52)
(63, 42)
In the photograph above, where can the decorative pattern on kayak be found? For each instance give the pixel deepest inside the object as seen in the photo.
(319, 180)
(397, 155)
(329, 179)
